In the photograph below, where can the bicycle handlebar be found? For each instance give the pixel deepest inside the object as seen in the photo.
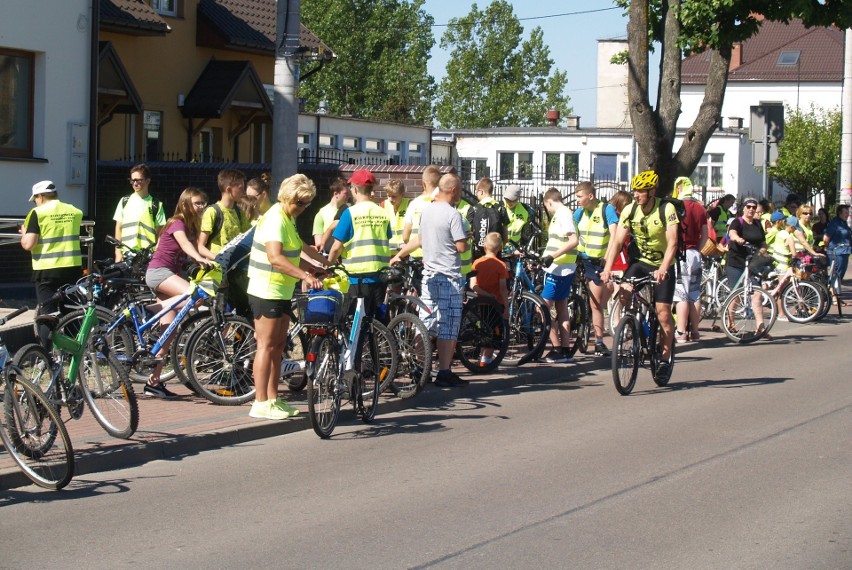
(13, 314)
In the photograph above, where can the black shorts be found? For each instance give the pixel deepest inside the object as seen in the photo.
(663, 292)
(269, 308)
(373, 293)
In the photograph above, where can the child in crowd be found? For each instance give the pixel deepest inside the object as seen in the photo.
(489, 280)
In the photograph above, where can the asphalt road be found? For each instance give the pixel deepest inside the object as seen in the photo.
(744, 462)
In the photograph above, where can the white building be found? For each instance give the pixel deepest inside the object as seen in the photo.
(45, 95)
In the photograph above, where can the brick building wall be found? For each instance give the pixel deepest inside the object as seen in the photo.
(168, 180)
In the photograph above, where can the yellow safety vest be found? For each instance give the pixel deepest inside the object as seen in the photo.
(397, 220)
(368, 250)
(780, 252)
(518, 218)
(466, 258)
(138, 222)
(721, 225)
(59, 236)
(809, 236)
(556, 241)
(593, 232)
(265, 281)
(416, 208)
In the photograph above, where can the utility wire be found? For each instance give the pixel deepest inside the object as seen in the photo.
(467, 23)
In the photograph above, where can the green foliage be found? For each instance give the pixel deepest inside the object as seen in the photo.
(809, 153)
(494, 79)
(382, 47)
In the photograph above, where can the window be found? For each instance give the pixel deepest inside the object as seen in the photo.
(561, 165)
(205, 146)
(789, 58)
(165, 7)
(515, 165)
(16, 103)
(351, 143)
(415, 148)
(605, 167)
(394, 146)
(472, 169)
(151, 121)
(328, 141)
(303, 139)
(708, 173)
(373, 145)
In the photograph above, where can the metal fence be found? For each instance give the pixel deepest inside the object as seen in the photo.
(9, 235)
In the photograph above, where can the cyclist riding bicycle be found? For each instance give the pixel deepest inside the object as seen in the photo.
(655, 238)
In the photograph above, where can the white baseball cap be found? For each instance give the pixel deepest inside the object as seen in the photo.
(42, 188)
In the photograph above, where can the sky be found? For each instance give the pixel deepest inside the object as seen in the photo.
(571, 32)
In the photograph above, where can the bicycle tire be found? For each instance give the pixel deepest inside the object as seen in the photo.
(576, 317)
(33, 364)
(368, 381)
(220, 360)
(625, 355)
(27, 416)
(296, 349)
(529, 329)
(415, 355)
(739, 322)
(657, 357)
(482, 327)
(121, 340)
(827, 300)
(107, 391)
(804, 306)
(585, 331)
(616, 312)
(323, 371)
(388, 353)
(177, 350)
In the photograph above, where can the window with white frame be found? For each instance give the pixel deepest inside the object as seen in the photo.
(415, 148)
(303, 139)
(16, 103)
(351, 143)
(472, 169)
(328, 141)
(394, 146)
(561, 165)
(373, 145)
(165, 7)
(515, 165)
(709, 172)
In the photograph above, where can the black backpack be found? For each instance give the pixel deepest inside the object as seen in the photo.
(484, 219)
(219, 221)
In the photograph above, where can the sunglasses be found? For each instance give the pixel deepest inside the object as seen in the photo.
(303, 204)
(807, 213)
(136, 181)
(750, 206)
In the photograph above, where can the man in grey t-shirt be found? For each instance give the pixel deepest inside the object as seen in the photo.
(442, 237)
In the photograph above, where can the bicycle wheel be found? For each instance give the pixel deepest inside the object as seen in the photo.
(657, 357)
(616, 312)
(801, 302)
(743, 314)
(415, 355)
(585, 332)
(121, 339)
(368, 382)
(529, 329)
(107, 391)
(177, 351)
(625, 355)
(323, 373)
(827, 298)
(576, 317)
(388, 353)
(297, 347)
(482, 328)
(33, 364)
(220, 360)
(34, 435)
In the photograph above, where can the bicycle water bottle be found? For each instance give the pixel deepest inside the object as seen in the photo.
(382, 312)
(645, 327)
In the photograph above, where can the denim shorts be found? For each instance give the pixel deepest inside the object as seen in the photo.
(444, 296)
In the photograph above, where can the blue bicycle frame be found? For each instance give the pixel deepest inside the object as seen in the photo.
(195, 294)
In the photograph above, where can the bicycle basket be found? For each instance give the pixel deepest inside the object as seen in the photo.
(321, 307)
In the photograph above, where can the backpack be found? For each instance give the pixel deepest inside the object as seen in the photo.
(680, 210)
(219, 221)
(153, 208)
(235, 254)
(486, 218)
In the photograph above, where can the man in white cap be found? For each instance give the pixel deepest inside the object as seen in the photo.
(51, 232)
(517, 211)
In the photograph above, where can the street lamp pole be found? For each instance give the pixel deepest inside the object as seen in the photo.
(285, 116)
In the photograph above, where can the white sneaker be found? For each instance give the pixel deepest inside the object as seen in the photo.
(680, 337)
(260, 410)
(290, 367)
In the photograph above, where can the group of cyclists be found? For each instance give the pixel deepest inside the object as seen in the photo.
(633, 235)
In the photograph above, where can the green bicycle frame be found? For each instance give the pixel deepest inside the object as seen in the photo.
(76, 347)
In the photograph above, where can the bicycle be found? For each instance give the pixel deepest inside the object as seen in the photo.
(412, 340)
(749, 312)
(94, 374)
(580, 308)
(332, 369)
(482, 328)
(31, 428)
(529, 317)
(638, 338)
(714, 287)
(801, 301)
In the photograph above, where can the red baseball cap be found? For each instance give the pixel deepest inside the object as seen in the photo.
(362, 178)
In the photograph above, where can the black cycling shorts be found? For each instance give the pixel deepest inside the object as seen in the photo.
(663, 292)
(269, 308)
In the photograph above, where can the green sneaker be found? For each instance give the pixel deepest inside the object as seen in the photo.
(282, 405)
(260, 410)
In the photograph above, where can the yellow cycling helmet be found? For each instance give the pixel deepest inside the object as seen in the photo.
(645, 180)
